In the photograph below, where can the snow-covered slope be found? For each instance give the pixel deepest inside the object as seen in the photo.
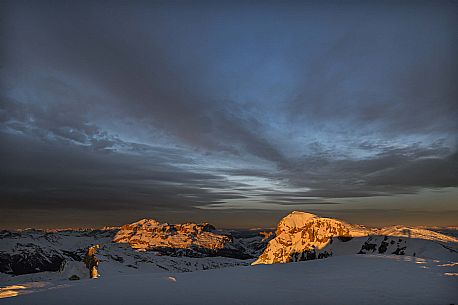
(149, 246)
(148, 262)
(354, 279)
(144, 246)
(304, 236)
(419, 233)
(32, 251)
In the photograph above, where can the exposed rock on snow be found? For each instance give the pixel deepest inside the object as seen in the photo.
(33, 251)
(91, 261)
(149, 234)
(189, 239)
(150, 246)
(30, 258)
(300, 235)
(51, 254)
(304, 236)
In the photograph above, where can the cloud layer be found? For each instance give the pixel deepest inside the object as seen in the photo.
(190, 108)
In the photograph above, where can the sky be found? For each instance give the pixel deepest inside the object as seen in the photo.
(229, 112)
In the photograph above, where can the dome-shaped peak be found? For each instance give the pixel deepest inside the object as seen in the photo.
(302, 214)
(146, 221)
(297, 219)
(141, 224)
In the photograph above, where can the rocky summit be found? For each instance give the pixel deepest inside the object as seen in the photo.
(149, 234)
(303, 236)
(149, 245)
(145, 244)
(190, 239)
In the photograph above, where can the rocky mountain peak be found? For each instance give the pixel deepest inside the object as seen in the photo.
(301, 232)
(149, 234)
(305, 236)
(142, 224)
(295, 219)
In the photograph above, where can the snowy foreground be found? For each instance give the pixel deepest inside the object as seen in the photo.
(353, 279)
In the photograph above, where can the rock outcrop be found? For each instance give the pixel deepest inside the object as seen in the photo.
(30, 258)
(303, 236)
(33, 251)
(91, 261)
(189, 239)
(149, 234)
(144, 245)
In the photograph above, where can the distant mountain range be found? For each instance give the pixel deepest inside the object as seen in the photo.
(146, 245)
(150, 246)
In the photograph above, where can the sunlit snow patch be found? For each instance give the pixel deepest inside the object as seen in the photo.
(14, 290)
(172, 279)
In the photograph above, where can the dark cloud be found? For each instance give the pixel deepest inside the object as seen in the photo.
(61, 177)
(392, 171)
(174, 107)
(391, 70)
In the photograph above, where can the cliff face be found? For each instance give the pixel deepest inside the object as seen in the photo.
(177, 248)
(190, 239)
(302, 235)
(149, 234)
(143, 245)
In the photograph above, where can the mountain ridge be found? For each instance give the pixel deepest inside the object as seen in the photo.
(148, 244)
(305, 236)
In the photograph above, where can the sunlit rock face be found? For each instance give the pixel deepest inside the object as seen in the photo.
(173, 239)
(144, 245)
(305, 234)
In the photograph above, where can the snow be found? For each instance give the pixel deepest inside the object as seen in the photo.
(304, 236)
(24, 253)
(134, 270)
(115, 258)
(350, 279)
(419, 233)
(299, 232)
